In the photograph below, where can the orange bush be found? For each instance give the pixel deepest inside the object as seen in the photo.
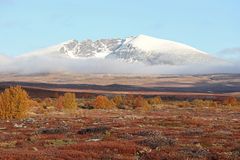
(212, 104)
(47, 102)
(231, 101)
(66, 102)
(14, 103)
(155, 100)
(102, 102)
(183, 104)
(141, 104)
(204, 103)
(118, 100)
(199, 103)
(129, 100)
(59, 103)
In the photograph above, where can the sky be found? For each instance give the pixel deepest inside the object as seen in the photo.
(209, 25)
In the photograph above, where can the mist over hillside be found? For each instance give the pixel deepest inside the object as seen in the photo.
(34, 65)
(136, 55)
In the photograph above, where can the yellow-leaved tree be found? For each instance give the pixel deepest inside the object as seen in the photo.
(14, 103)
(141, 104)
(102, 102)
(69, 101)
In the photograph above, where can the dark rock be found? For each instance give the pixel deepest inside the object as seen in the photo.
(154, 142)
(148, 133)
(100, 129)
(59, 130)
(195, 152)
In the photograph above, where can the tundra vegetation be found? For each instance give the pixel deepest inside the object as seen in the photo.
(117, 127)
(15, 103)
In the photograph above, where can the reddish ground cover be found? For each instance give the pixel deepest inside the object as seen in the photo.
(168, 133)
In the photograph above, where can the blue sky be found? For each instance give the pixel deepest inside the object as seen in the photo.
(27, 25)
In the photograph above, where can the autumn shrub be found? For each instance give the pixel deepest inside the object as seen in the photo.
(129, 101)
(184, 104)
(59, 103)
(230, 101)
(212, 103)
(34, 103)
(102, 102)
(69, 101)
(141, 104)
(14, 103)
(47, 102)
(198, 103)
(118, 100)
(204, 103)
(155, 100)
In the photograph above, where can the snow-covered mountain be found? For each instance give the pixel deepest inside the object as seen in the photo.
(140, 48)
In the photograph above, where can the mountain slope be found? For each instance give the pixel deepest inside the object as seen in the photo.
(75, 49)
(142, 48)
(157, 51)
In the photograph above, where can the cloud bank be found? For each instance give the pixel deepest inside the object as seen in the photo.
(35, 65)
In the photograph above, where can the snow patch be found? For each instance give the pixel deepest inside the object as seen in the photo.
(151, 44)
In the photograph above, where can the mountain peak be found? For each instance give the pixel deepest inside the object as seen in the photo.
(70, 41)
(144, 36)
(146, 43)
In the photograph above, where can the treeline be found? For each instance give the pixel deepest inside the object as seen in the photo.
(69, 102)
(15, 103)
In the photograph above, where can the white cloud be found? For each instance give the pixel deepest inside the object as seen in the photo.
(33, 65)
